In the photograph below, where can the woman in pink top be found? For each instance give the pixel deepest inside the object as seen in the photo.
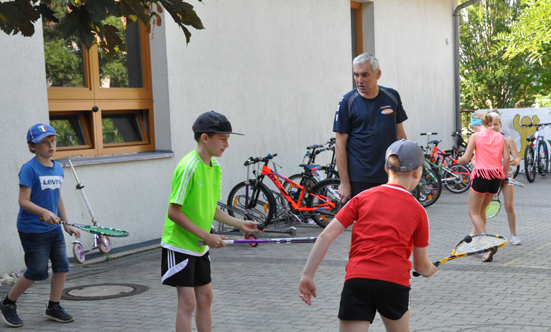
(491, 167)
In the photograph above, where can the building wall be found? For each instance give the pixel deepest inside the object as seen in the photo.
(276, 69)
(414, 44)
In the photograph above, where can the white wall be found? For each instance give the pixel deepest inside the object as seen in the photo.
(276, 69)
(414, 44)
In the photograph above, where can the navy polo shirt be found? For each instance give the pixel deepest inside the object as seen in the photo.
(371, 128)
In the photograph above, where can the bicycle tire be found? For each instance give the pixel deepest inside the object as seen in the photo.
(430, 187)
(323, 217)
(515, 170)
(266, 202)
(543, 158)
(529, 165)
(460, 185)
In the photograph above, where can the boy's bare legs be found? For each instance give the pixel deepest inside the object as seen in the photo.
(400, 325)
(57, 283)
(203, 316)
(186, 306)
(19, 288)
(353, 326)
(188, 299)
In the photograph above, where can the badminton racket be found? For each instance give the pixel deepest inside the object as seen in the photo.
(282, 240)
(471, 245)
(96, 229)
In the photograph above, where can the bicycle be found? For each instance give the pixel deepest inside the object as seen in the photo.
(456, 178)
(533, 161)
(252, 195)
(312, 173)
(429, 188)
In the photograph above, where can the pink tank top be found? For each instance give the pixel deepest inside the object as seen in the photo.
(489, 155)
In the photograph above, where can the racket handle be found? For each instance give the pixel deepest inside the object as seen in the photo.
(417, 274)
(203, 243)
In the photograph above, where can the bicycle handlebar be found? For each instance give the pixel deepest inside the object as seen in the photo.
(253, 160)
(423, 134)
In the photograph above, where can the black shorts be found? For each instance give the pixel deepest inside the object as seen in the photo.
(485, 186)
(362, 298)
(183, 270)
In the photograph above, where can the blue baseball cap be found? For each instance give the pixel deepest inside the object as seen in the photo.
(40, 131)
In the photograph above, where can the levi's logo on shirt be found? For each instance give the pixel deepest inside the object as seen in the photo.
(50, 182)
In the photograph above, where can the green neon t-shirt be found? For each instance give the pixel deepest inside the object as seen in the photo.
(197, 188)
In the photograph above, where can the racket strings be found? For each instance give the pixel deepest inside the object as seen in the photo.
(105, 231)
(478, 243)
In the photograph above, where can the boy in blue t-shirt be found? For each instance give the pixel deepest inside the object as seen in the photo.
(39, 198)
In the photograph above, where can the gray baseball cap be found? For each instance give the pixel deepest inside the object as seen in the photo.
(409, 154)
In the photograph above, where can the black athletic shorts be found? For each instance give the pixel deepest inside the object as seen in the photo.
(362, 298)
(485, 186)
(183, 270)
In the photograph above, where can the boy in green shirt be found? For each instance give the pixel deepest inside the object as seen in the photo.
(196, 189)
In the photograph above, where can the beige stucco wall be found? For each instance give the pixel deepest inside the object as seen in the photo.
(277, 69)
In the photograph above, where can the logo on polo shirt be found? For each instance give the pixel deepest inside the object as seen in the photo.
(387, 111)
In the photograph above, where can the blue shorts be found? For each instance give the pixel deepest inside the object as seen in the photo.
(41, 247)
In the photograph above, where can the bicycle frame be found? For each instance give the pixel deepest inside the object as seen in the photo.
(326, 204)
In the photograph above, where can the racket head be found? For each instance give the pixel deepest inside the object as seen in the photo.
(493, 209)
(516, 183)
(480, 243)
(107, 231)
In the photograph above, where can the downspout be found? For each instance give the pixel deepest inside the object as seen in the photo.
(456, 62)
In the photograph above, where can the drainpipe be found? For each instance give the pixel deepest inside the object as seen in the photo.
(456, 62)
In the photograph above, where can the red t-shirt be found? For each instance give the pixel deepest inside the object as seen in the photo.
(389, 222)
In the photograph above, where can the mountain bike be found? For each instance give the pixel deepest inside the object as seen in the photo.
(312, 173)
(536, 161)
(319, 203)
(456, 178)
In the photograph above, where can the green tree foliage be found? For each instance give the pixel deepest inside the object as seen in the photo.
(488, 80)
(530, 34)
(85, 20)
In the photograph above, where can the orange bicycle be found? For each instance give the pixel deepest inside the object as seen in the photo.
(255, 201)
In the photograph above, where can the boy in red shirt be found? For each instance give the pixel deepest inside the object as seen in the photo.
(389, 224)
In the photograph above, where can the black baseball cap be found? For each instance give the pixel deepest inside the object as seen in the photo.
(212, 122)
(410, 155)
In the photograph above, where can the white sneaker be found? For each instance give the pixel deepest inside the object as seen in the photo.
(515, 240)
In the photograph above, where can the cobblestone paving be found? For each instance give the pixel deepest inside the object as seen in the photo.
(255, 288)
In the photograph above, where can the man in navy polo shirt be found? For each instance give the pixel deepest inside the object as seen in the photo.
(368, 120)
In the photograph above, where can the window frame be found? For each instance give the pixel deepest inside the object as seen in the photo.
(75, 100)
(359, 29)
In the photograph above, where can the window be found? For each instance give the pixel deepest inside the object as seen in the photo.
(356, 20)
(99, 107)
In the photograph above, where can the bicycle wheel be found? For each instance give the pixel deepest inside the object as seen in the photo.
(308, 184)
(261, 202)
(543, 158)
(459, 180)
(529, 165)
(328, 188)
(430, 187)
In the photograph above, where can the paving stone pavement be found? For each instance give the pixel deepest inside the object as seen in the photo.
(255, 288)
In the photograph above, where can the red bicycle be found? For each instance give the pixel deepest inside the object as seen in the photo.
(319, 203)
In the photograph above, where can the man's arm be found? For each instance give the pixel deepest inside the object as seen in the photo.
(342, 166)
(177, 216)
(421, 262)
(400, 132)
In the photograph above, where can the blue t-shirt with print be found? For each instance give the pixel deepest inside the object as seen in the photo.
(45, 183)
(371, 128)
